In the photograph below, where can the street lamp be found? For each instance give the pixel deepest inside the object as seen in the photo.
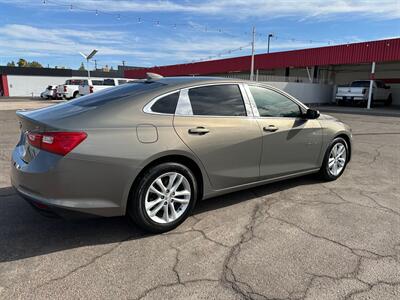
(88, 57)
(269, 40)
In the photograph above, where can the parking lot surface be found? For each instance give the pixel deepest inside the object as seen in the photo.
(297, 239)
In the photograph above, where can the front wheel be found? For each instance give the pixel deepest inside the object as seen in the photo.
(335, 160)
(163, 198)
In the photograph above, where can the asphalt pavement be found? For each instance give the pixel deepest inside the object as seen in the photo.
(297, 239)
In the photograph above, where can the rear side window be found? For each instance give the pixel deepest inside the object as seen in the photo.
(360, 83)
(217, 100)
(166, 105)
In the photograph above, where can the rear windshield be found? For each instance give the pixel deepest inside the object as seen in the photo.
(74, 82)
(97, 82)
(360, 83)
(116, 93)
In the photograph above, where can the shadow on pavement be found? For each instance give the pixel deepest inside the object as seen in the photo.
(25, 233)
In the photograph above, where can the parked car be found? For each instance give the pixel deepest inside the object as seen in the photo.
(49, 93)
(94, 85)
(358, 91)
(151, 149)
(70, 89)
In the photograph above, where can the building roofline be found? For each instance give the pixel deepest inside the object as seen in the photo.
(354, 53)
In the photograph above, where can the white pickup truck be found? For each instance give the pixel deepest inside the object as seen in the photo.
(70, 89)
(90, 86)
(357, 93)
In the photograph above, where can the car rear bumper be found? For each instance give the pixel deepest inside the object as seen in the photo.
(51, 211)
(69, 186)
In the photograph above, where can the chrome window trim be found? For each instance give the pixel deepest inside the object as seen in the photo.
(302, 106)
(184, 101)
(147, 107)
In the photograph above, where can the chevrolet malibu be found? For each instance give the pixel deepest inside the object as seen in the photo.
(151, 149)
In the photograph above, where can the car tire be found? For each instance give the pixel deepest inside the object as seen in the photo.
(389, 100)
(328, 171)
(75, 95)
(152, 211)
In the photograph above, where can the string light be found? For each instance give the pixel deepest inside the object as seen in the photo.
(175, 25)
(229, 51)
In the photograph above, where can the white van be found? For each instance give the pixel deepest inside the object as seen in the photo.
(90, 86)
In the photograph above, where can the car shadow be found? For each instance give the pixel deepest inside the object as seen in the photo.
(24, 233)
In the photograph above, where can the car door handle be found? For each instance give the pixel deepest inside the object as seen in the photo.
(270, 128)
(199, 130)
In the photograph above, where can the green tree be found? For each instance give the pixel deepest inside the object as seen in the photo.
(11, 64)
(34, 64)
(82, 67)
(22, 63)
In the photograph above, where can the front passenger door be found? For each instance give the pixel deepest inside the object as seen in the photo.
(290, 142)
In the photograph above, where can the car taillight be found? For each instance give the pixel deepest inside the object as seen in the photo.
(56, 142)
(65, 88)
(90, 89)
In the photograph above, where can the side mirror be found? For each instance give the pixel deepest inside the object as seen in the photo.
(312, 114)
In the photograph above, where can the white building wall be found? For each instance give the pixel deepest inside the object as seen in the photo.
(28, 86)
(33, 86)
(306, 92)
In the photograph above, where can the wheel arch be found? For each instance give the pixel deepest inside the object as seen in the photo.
(176, 158)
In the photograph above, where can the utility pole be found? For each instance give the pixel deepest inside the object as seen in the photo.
(269, 40)
(123, 63)
(371, 85)
(95, 64)
(252, 53)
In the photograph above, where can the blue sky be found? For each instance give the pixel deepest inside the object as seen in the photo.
(148, 33)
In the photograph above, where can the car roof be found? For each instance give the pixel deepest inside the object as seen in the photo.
(184, 81)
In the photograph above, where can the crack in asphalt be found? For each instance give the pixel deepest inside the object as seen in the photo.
(246, 291)
(228, 277)
(202, 233)
(85, 265)
(362, 193)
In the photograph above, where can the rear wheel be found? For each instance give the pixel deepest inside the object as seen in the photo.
(389, 100)
(75, 94)
(163, 198)
(335, 160)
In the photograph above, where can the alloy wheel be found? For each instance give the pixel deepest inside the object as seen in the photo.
(167, 198)
(337, 159)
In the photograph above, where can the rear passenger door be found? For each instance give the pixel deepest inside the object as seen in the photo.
(213, 122)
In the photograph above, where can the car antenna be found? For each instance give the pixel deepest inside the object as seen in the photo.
(153, 76)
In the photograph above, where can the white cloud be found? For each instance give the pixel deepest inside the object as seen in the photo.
(18, 40)
(385, 9)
